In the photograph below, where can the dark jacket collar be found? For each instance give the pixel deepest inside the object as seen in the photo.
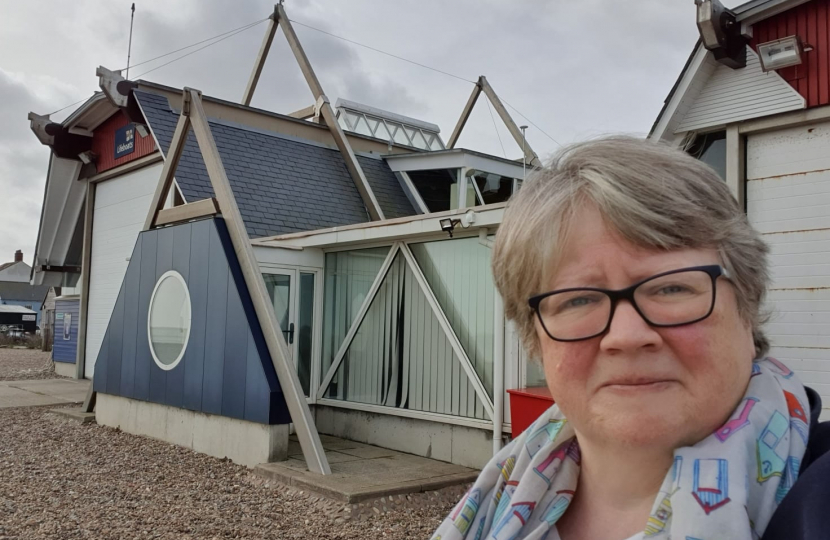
(819, 441)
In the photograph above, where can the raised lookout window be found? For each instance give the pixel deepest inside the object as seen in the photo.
(168, 321)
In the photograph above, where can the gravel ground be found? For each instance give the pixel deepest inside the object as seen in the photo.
(59, 479)
(20, 364)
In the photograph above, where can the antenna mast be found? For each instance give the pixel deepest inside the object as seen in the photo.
(130, 44)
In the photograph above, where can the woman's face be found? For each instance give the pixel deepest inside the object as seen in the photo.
(637, 385)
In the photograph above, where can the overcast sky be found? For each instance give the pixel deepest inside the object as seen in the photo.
(576, 69)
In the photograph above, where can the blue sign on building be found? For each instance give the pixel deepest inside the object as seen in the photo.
(124, 141)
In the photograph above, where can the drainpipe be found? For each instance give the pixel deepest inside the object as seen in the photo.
(498, 372)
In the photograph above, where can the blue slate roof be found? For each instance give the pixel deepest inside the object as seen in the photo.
(282, 184)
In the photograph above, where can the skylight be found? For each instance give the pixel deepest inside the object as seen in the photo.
(388, 126)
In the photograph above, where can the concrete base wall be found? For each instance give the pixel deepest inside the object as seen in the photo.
(461, 445)
(65, 369)
(243, 442)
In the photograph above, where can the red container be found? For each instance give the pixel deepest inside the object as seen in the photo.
(526, 405)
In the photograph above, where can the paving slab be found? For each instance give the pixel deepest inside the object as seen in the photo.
(76, 415)
(366, 472)
(34, 393)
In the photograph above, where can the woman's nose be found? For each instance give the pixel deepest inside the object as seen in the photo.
(628, 330)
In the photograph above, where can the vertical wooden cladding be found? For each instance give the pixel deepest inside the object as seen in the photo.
(811, 22)
(226, 369)
(103, 144)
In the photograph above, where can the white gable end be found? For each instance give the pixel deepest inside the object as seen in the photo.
(732, 95)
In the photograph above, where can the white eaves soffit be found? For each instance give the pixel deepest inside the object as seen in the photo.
(733, 95)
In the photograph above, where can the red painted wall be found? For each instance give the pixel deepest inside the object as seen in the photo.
(810, 21)
(103, 144)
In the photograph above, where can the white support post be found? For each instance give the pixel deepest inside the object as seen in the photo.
(171, 161)
(465, 115)
(260, 59)
(498, 371)
(86, 261)
(530, 155)
(361, 314)
(313, 452)
(735, 170)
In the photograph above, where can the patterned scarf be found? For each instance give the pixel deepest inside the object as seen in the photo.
(726, 486)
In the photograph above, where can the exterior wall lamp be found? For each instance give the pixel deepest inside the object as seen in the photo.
(781, 53)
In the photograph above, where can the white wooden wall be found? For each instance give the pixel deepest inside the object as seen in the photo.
(788, 201)
(731, 95)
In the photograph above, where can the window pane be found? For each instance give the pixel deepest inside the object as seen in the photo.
(351, 119)
(710, 148)
(458, 272)
(279, 291)
(348, 277)
(399, 136)
(493, 187)
(362, 127)
(401, 357)
(341, 119)
(305, 331)
(436, 143)
(169, 320)
(438, 188)
(382, 132)
(373, 123)
(418, 141)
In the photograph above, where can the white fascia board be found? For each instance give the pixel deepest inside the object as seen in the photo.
(404, 229)
(454, 159)
(62, 205)
(664, 130)
(91, 114)
(752, 12)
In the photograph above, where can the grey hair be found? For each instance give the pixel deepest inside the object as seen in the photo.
(655, 196)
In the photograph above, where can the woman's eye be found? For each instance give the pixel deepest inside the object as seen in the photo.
(672, 289)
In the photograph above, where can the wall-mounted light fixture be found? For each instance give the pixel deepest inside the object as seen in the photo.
(781, 53)
(448, 224)
(88, 157)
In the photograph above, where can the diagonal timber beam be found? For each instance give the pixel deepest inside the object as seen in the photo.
(313, 452)
(356, 172)
(174, 154)
(465, 114)
(530, 155)
(260, 59)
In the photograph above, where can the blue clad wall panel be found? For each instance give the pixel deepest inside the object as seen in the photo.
(147, 281)
(236, 355)
(164, 262)
(194, 357)
(131, 322)
(114, 343)
(181, 264)
(65, 350)
(226, 368)
(217, 305)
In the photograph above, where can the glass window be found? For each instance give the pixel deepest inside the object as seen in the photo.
(438, 188)
(401, 357)
(363, 127)
(436, 143)
(341, 119)
(373, 123)
(348, 277)
(493, 187)
(67, 326)
(382, 132)
(305, 321)
(168, 321)
(710, 148)
(399, 136)
(351, 120)
(418, 141)
(279, 291)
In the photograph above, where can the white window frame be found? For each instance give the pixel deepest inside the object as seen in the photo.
(178, 277)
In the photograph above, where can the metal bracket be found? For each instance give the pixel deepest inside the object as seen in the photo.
(112, 84)
(318, 106)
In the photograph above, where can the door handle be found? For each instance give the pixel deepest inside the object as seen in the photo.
(289, 334)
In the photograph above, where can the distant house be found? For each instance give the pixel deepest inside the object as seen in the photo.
(17, 270)
(15, 293)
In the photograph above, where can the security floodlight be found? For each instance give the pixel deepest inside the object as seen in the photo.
(780, 53)
(448, 224)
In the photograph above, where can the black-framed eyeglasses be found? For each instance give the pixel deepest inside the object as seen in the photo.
(673, 298)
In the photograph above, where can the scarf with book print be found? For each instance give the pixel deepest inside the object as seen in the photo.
(726, 486)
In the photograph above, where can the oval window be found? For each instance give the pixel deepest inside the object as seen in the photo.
(168, 322)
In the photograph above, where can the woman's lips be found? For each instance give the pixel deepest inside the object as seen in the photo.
(638, 385)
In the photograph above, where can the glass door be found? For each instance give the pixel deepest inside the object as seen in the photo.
(292, 296)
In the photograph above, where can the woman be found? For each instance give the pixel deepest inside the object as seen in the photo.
(630, 270)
